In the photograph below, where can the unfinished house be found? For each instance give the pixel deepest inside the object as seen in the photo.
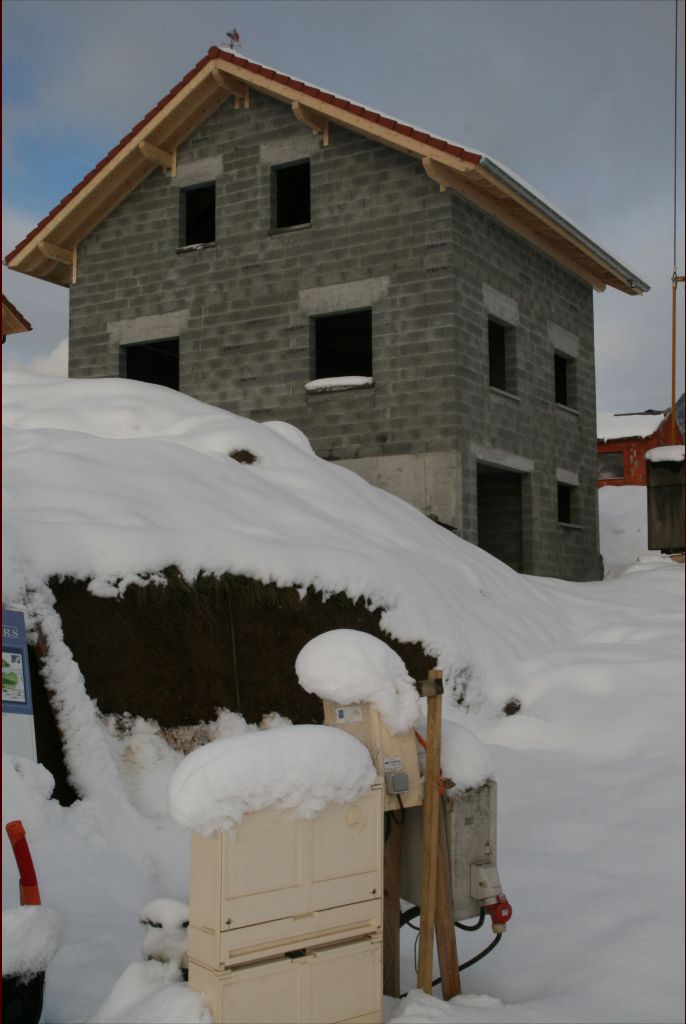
(421, 314)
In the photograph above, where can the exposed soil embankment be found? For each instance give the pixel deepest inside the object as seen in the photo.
(178, 652)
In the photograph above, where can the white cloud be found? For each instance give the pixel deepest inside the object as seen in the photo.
(55, 364)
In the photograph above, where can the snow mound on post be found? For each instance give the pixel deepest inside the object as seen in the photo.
(349, 666)
(301, 768)
(30, 939)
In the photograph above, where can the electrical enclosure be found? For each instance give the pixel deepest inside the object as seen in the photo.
(470, 819)
(394, 754)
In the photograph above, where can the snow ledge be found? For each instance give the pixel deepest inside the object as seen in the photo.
(339, 384)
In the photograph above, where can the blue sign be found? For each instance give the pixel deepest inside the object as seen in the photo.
(16, 682)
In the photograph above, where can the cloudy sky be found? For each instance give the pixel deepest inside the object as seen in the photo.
(576, 96)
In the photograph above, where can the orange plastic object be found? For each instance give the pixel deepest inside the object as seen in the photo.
(29, 894)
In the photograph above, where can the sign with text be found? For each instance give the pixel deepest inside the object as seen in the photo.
(18, 734)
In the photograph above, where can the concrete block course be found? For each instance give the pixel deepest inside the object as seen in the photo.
(430, 265)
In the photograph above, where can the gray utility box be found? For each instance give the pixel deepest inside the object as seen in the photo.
(470, 819)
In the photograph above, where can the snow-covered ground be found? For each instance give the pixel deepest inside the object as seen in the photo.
(589, 771)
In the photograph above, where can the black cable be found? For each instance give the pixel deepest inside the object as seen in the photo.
(235, 655)
(473, 927)
(409, 915)
(402, 812)
(475, 959)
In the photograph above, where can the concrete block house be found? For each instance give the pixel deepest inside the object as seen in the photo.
(420, 313)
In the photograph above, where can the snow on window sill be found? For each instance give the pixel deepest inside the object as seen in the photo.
(566, 408)
(570, 526)
(195, 247)
(338, 384)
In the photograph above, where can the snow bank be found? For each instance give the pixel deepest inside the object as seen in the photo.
(92, 471)
(464, 758)
(299, 768)
(349, 667)
(30, 939)
(668, 453)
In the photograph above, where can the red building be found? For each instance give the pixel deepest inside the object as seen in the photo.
(624, 439)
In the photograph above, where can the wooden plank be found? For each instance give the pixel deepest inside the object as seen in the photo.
(445, 918)
(391, 910)
(232, 86)
(431, 819)
(156, 155)
(312, 118)
(56, 253)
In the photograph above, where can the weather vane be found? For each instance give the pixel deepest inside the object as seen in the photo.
(234, 39)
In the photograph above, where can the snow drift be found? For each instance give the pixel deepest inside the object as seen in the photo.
(92, 490)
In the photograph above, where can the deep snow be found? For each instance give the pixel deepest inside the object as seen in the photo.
(589, 771)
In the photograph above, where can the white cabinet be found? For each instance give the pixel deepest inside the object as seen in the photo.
(285, 884)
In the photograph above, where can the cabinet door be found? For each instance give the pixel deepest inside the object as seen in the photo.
(346, 852)
(263, 869)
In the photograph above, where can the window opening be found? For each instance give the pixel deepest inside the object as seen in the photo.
(497, 376)
(198, 214)
(611, 465)
(501, 356)
(155, 362)
(564, 504)
(343, 345)
(561, 380)
(292, 195)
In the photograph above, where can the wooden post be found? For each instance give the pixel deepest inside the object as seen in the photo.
(432, 689)
(391, 910)
(445, 918)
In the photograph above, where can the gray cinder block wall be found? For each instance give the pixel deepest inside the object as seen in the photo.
(430, 265)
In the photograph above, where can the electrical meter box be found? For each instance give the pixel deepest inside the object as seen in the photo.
(394, 754)
(470, 818)
(287, 884)
(339, 984)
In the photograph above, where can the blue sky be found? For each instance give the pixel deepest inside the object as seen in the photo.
(576, 97)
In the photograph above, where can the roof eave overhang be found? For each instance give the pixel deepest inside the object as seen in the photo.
(50, 250)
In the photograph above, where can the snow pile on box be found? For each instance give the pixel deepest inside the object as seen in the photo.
(349, 666)
(30, 939)
(299, 768)
(115, 480)
(464, 758)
